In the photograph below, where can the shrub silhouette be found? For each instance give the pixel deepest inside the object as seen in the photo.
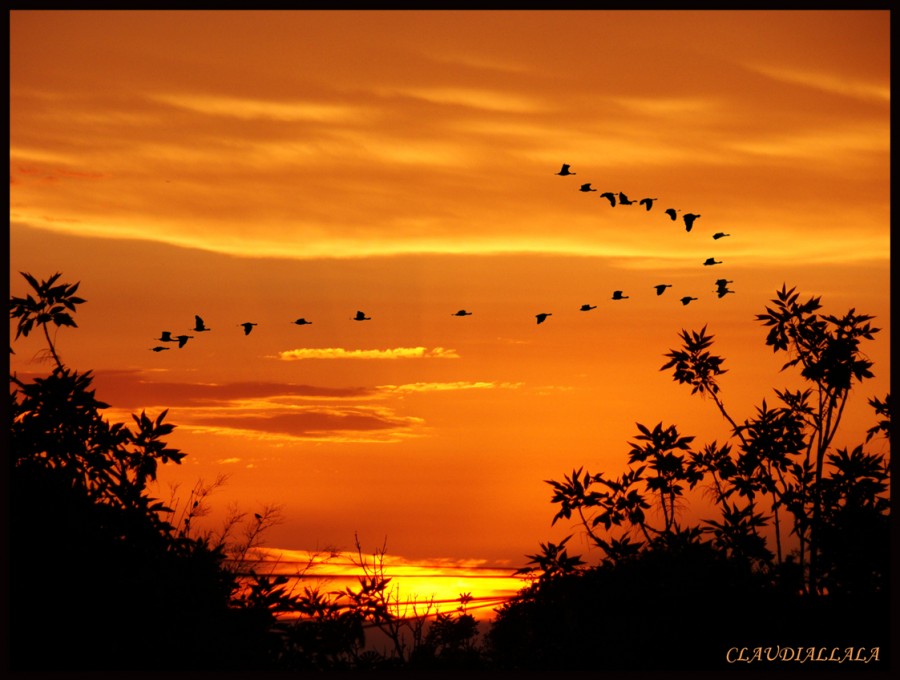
(102, 580)
(666, 595)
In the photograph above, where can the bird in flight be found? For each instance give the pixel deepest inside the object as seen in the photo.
(361, 317)
(463, 312)
(661, 288)
(647, 202)
(182, 339)
(617, 295)
(722, 287)
(624, 200)
(689, 219)
(248, 326)
(587, 308)
(565, 170)
(542, 317)
(199, 326)
(302, 322)
(166, 336)
(586, 187)
(159, 348)
(672, 212)
(720, 234)
(711, 261)
(687, 299)
(609, 196)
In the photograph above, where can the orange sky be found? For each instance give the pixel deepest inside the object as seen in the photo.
(265, 166)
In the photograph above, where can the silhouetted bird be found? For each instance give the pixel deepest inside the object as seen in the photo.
(673, 213)
(689, 219)
(199, 326)
(302, 322)
(586, 187)
(647, 202)
(542, 317)
(687, 299)
(723, 282)
(722, 291)
(711, 261)
(661, 288)
(166, 336)
(587, 308)
(565, 170)
(158, 348)
(361, 317)
(461, 312)
(609, 196)
(248, 326)
(624, 200)
(617, 295)
(182, 339)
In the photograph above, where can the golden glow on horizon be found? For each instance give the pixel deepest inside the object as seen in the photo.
(413, 583)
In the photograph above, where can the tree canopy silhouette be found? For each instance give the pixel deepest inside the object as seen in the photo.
(104, 577)
(99, 575)
(797, 548)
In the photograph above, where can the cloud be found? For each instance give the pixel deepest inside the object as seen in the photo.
(448, 386)
(341, 424)
(247, 108)
(258, 410)
(490, 100)
(391, 353)
(832, 84)
(132, 389)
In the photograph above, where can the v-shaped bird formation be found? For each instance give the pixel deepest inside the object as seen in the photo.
(614, 198)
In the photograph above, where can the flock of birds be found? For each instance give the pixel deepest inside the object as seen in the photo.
(615, 198)
(689, 219)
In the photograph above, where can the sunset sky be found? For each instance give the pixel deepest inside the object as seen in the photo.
(266, 166)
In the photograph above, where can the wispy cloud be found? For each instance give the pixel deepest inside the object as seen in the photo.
(134, 389)
(350, 423)
(390, 353)
(831, 83)
(448, 386)
(276, 412)
(260, 109)
(491, 100)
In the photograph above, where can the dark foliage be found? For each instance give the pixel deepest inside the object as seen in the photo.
(674, 607)
(99, 579)
(102, 581)
(666, 596)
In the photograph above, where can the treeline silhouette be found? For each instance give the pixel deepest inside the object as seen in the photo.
(795, 562)
(104, 576)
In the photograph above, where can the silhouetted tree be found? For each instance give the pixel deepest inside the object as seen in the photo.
(99, 578)
(779, 469)
(104, 576)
